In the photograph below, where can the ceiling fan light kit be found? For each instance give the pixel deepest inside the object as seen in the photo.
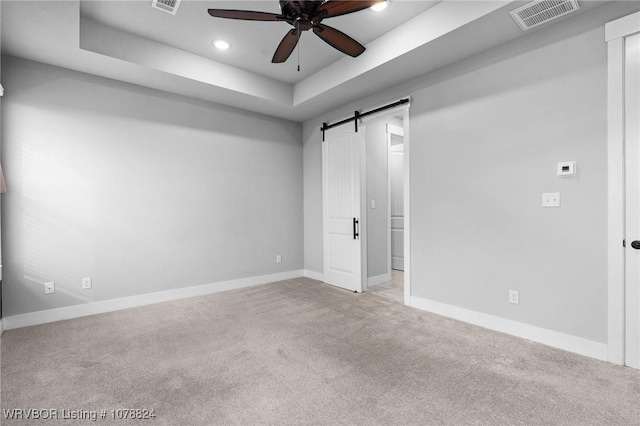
(305, 15)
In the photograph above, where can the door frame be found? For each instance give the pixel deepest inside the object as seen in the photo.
(407, 207)
(404, 110)
(615, 33)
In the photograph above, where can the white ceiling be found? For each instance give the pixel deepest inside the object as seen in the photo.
(131, 42)
(193, 30)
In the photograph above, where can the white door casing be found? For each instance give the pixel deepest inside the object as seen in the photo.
(343, 221)
(623, 154)
(632, 200)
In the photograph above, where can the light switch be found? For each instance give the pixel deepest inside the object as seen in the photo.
(86, 283)
(551, 199)
(373, 204)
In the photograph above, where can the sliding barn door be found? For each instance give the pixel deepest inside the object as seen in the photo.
(632, 170)
(342, 154)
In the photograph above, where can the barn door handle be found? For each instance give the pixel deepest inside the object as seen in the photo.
(636, 244)
(355, 228)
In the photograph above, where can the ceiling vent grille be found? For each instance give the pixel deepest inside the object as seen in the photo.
(169, 6)
(540, 12)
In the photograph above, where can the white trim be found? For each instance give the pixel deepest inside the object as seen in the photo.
(388, 154)
(615, 32)
(615, 201)
(379, 279)
(622, 27)
(364, 220)
(318, 276)
(76, 311)
(407, 207)
(547, 337)
(1, 327)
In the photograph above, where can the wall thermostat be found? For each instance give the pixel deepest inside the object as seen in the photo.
(567, 168)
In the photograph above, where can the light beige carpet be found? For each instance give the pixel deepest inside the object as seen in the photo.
(300, 352)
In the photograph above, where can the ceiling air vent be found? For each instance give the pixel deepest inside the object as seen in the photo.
(169, 6)
(540, 12)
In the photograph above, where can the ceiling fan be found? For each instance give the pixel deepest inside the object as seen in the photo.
(306, 15)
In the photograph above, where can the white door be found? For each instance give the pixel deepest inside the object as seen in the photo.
(396, 185)
(342, 168)
(632, 167)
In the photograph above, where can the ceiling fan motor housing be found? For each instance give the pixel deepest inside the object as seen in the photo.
(300, 14)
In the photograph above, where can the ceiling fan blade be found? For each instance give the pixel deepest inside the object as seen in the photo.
(337, 7)
(339, 40)
(246, 15)
(285, 47)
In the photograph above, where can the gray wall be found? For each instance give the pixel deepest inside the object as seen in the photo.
(486, 146)
(486, 135)
(141, 190)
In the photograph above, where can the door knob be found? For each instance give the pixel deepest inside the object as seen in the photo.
(636, 244)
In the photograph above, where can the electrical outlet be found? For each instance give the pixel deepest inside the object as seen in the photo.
(514, 297)
(551, 199)
(49, 287)
(278, 259)
(86, 283)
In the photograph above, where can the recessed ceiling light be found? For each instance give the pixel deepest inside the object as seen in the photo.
(380, 6)
(221, 44)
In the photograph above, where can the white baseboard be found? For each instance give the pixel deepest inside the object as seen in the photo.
(318, 276)
(541, 335)
(76, 311)
(379, 279)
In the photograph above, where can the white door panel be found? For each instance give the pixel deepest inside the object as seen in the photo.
(341, 178)
(341, 257)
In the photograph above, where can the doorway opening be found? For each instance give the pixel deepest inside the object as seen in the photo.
(385, 206)
(357, 202)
